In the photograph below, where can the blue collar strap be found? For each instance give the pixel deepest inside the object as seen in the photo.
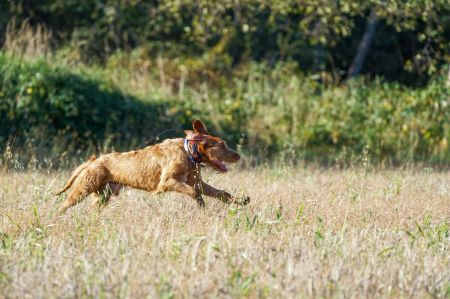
(191, 147)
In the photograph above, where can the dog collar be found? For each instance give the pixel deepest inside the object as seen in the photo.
(191, 147)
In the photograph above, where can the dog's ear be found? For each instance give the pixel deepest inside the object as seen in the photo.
(192, 135)
(199, 127)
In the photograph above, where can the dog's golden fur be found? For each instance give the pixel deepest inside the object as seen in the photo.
(159, 168)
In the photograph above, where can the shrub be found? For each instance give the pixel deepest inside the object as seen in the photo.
(57, 109)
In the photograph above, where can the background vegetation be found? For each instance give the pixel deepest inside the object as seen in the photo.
(324, 80)
(351, 84)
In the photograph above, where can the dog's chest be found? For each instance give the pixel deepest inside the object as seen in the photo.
(184, 177)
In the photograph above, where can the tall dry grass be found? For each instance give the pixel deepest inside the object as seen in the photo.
(28, 41)
(308, 232)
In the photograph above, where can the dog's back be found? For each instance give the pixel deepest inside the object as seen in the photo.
(142, 169)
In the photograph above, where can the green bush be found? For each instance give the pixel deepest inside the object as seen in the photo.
(63, 111)
(290, 112)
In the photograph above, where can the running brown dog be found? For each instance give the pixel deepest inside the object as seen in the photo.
(173, 165)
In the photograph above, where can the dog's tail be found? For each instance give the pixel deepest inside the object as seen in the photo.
(75, 174)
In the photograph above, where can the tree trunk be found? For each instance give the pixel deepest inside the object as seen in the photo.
(364, 46)
(448, 76)
(318, 59)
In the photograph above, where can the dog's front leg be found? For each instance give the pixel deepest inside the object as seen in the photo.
(222, 195)
(181, 187)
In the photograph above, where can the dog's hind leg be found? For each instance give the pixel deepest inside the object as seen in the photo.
(91, 181)
(75, 174)
(73, 198)
(102, 197)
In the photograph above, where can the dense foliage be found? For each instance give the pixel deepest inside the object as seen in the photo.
(410, 41)
(52, 108)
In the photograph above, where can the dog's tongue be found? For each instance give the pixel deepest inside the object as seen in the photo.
(222, 167)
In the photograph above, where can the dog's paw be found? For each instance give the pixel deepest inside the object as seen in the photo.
(243, 201)
(200, 202)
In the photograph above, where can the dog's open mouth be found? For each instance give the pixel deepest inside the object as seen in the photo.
(217, 164)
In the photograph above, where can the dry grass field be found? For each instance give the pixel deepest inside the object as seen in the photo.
(308, 232)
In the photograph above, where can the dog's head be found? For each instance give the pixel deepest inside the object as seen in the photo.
(213, 149)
